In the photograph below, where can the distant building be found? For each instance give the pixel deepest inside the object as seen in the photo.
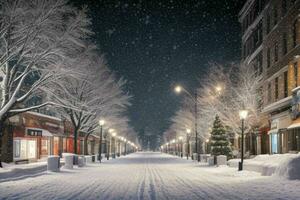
(270, 43)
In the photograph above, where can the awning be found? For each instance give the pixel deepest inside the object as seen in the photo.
(46, 133)
(273, 131)
(296, 125)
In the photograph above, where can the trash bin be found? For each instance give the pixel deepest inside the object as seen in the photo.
(88, 159)
(69, 161)
(53, 164)
(81, 161)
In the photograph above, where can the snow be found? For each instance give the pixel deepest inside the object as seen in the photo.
(150, 176)
(280, 165)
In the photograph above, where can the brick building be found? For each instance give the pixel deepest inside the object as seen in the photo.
(270, 43)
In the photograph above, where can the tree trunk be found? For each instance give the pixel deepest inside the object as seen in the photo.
(75, 141)
(6, 142)
(86, 144)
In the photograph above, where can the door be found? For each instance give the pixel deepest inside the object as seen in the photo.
(274, 143)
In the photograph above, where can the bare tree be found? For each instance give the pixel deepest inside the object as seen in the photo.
(95, 94)
(36, 40)
(226, 91)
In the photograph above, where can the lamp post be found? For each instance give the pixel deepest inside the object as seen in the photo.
(179, 89)
(206, 146)
(243, 115)
(114, 134)
(188, 131)
(101, 123)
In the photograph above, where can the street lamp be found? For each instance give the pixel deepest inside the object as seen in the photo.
(101, 123)
(178, 89)
(243, 115)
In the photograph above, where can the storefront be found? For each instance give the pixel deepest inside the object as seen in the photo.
(278, 133)
(25, 148)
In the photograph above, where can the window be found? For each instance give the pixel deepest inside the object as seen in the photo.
(17, 148)
(285, 77)
(275, 15)
(296, 74)
(268, 58)
(276, 88)
(269, 93)
(284, 44)
(295, 31)
(268, 23)
(33, 132)
(276, 52)
(283, 7)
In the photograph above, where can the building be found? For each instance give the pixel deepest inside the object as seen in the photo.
(270, 43)
(36, 136)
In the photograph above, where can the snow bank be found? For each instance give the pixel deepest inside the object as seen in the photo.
(289, 168)
(282, 165)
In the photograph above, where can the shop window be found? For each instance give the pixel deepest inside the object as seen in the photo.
(17, 148)
(294, 139)
(285, 76)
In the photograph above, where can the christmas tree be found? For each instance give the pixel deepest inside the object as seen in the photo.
(220, 144)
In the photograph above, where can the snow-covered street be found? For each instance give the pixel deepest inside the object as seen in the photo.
(149, 176)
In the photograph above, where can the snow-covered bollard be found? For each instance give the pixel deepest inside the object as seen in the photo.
(53, 164)
(69, 161)
(81, 161)
(211, 161)
(88, 159)
(203, 157)
(195, 156)
(221, 160)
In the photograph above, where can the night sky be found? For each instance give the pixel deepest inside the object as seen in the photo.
(155, 44)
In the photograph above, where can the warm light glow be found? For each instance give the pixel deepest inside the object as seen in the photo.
(207, 140)
(167, 143)
(180, 138)
(114, 134)
(111, 130)
(188, 131)
(178, 89)
(218, 89)
(101, 122)
(173, 141)
(243, 114)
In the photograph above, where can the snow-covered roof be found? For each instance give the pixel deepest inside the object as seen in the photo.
(43, 115)
(296, 125)
(278, 104)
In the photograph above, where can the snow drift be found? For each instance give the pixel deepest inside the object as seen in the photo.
(281, 165)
